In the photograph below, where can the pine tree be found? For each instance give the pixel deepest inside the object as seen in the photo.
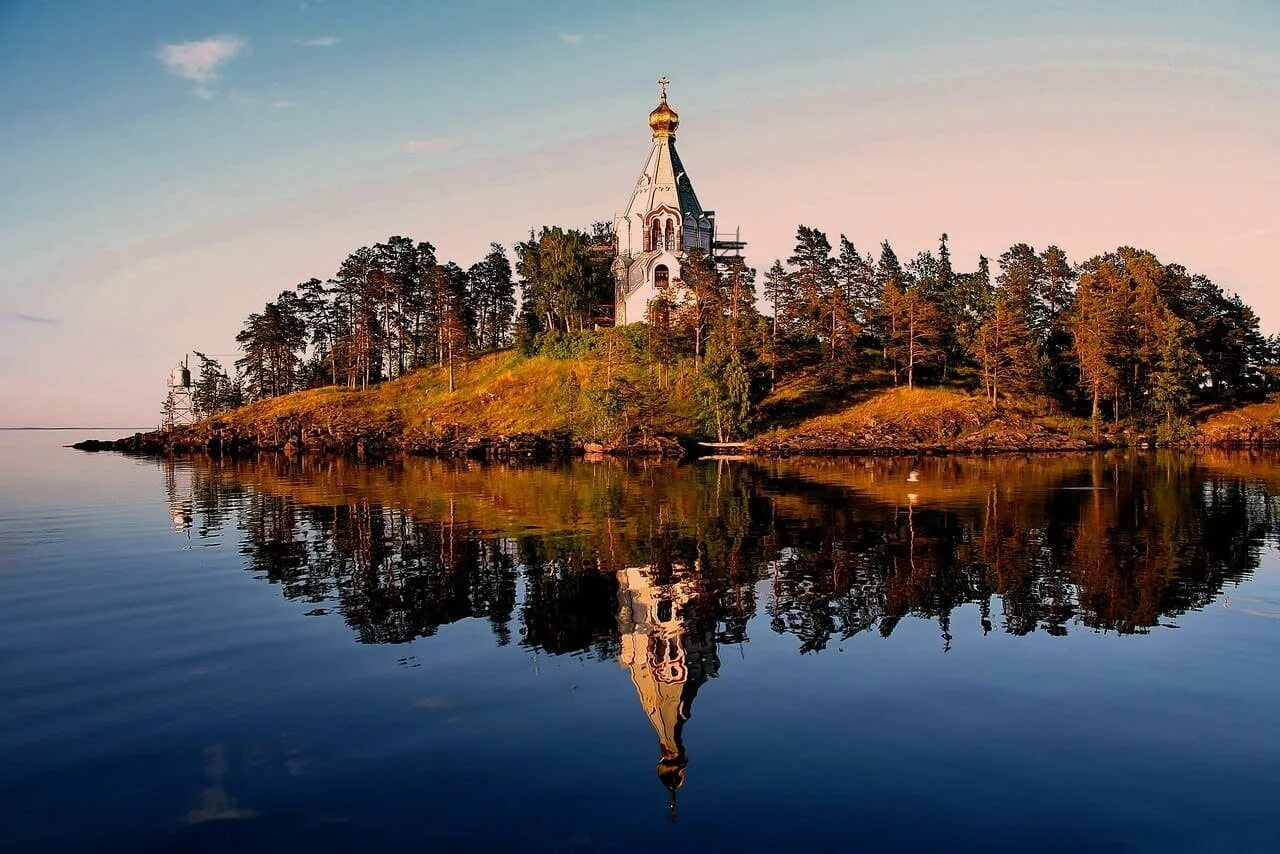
(946, 275)
(1146, 316)
(932, 282)
(1007, 352)
(491, 293)
(889, 268)
(948, 292)
(775, 293)
(317, 311)
(659, 330)
(1018, 287)
(393, 279)
(739, 286)
(845, 302)
(211, 392)
(1057, 283)
(976, 299)
(421, 314)
(1021, 279)
(455, 335)
(923, 329)
(1057, 293)
(272, 343)
(776, 289)
(703, 297)
(856, 277)
(726, 390)
(358, 327)
(1174, 377)
(915, 329)
(892, 284)
(812, 283)
(1096, 324)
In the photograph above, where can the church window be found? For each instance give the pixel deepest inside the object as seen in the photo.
(655, 238)
(661, 276)
(670, 242)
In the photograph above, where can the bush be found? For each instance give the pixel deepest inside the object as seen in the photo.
(620, 410)
(1173, 430)
(526, 335)
(627, 341)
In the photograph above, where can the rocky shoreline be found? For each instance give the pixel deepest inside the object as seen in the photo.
(375, 443)
(1002, 435)
(1008, 434)
(544, 446)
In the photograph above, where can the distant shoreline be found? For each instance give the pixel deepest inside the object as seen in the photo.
(108, 427)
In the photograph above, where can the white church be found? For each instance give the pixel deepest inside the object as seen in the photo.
(662, 220)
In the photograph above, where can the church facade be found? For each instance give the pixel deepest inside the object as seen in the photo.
(662, 220)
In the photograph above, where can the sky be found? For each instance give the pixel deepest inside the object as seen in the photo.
(168, 167)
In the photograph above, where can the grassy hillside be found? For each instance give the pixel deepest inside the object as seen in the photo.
(497, 394)
(595, 395)
(922, 418)
(1255, 424)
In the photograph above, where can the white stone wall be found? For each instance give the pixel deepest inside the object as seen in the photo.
(636, 305)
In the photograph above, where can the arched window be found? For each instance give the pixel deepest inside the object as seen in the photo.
(661, 276)
(655, 237)
(670, 242)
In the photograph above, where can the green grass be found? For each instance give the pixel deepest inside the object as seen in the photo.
(495, 394)
(506, 392)
(1253, 422)
(924, 414)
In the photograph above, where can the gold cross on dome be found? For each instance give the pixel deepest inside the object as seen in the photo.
(663, 81)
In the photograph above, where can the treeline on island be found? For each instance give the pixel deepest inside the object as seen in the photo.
(1121, 338)
(395, 307)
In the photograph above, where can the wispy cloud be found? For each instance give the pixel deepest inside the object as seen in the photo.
(19, 317)
(199, 61)
(283, 104)
(432, 145)
(1259, 231)
(572, 38)
(318, 41)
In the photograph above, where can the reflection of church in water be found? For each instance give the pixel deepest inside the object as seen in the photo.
(670, 651)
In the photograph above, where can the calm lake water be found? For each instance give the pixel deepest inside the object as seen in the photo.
(1058, 653)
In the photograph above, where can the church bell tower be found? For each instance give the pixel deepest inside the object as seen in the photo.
(662, 220)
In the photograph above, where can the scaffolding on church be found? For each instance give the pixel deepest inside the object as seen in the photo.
(723, 245)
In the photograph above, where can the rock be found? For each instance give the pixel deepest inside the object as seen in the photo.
(95, 445)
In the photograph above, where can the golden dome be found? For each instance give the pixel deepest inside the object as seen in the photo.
(664, 120)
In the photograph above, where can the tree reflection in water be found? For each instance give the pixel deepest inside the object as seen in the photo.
(656, 565)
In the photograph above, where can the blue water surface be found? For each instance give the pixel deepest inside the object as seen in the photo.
(270, 655)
